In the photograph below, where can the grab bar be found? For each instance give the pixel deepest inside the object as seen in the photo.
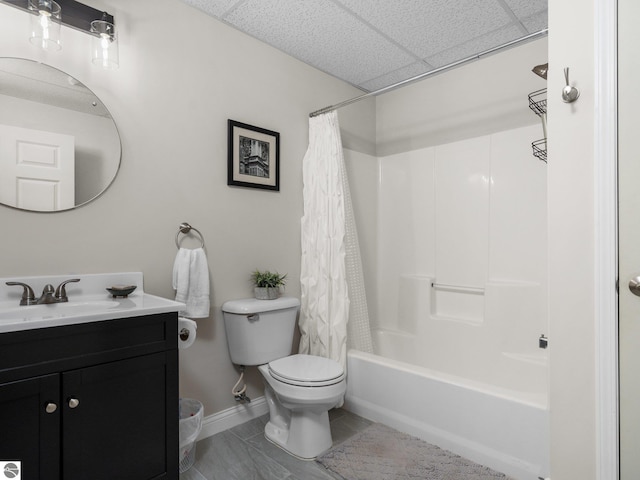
(185, 228)
(457, 288)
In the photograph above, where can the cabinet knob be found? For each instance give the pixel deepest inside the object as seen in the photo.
(73, 402)
(50, 407)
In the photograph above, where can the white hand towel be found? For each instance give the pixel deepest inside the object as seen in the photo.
(191, 282)
(181, 274)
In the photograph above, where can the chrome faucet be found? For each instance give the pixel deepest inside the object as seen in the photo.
(49, 295)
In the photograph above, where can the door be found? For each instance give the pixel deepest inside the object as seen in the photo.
(38, 169)
(30, 426)
(629, 233)
(115, 420)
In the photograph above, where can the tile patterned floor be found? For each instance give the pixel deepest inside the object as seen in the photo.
(242, 453)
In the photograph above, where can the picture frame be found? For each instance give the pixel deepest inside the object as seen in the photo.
(253, 157)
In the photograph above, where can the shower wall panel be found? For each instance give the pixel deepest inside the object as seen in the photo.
(406, 215)
(462, 212)
(470, 215)
(518, 221)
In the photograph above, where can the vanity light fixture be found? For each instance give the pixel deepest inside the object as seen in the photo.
(45, 24)
(104, 44)
(48, 15)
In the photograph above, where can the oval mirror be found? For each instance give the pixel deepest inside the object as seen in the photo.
(59, 146)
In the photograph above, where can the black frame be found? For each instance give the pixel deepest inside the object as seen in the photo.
(234, 175)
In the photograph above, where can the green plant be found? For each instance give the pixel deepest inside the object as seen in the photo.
(268, 279)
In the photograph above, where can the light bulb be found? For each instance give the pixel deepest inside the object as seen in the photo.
(105, 44)
(45, 27)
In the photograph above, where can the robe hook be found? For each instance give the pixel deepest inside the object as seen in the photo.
(569, 93)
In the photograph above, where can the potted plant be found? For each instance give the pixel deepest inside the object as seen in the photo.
(267, 284)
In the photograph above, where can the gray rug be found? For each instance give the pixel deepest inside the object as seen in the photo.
(382, 453)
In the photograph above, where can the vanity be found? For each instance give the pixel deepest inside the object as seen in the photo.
(89, 387)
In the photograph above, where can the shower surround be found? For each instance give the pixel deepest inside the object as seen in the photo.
(457, 275)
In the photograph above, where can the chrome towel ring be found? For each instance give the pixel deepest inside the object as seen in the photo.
(185, 228)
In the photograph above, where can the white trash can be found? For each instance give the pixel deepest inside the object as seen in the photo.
(191, 412)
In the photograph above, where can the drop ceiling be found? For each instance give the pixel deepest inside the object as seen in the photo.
(375, 43)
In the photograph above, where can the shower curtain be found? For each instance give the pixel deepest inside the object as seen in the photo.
(333, 313)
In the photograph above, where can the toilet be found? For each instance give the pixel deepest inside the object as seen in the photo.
(299, 389)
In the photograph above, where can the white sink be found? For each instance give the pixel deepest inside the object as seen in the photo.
(57, 309)
(89, 301)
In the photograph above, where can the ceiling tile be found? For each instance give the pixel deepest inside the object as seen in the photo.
(475, 46)
(537, 22)
(526, 8)
(428, 27)
(376, 43)
(396, 76)
(217, 8)
(321, 34)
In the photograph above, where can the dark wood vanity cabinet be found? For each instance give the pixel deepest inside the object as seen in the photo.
(92, 401)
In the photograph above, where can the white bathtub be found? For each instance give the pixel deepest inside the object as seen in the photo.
(505, 429)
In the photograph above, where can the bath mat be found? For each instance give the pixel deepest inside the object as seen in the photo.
(382, 453)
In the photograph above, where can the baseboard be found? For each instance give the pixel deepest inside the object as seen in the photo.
(229, 418)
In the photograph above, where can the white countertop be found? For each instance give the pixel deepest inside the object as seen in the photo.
(89, 301)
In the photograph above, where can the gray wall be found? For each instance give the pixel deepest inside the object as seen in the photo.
(181, 76)
(481, 98)
(576, 245)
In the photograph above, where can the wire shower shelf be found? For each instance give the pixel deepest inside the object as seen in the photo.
(538, 102)
(538, 105)
(540, 149)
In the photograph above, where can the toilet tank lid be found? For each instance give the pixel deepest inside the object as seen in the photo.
(252, 305)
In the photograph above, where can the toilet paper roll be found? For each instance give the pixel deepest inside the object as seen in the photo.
(186, 332)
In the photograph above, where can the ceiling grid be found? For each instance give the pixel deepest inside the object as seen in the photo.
(375, 43)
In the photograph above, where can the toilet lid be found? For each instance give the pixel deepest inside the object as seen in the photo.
(306, 370)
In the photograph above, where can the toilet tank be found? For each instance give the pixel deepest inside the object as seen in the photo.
(259, 331)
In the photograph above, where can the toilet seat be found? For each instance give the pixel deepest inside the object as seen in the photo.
(306, 371)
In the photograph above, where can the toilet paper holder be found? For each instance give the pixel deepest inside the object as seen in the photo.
(184, 334)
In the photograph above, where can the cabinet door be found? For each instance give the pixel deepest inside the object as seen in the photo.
(115, 420)
(29, 431)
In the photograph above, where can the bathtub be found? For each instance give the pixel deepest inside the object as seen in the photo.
(503, 428)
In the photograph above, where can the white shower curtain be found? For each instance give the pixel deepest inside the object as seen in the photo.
(333, 313)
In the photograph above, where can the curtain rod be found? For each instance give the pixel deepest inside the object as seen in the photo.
(512, 43)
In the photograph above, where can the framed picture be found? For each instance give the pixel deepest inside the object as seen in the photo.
(254, 157)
